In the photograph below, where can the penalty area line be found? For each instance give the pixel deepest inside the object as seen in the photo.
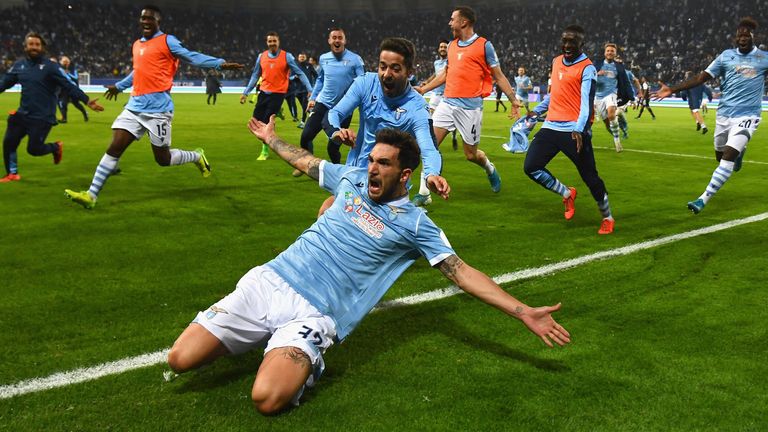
(63, 379)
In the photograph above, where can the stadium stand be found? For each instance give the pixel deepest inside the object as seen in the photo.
(659, 38)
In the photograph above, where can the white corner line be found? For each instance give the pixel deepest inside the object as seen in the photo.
(62, 379)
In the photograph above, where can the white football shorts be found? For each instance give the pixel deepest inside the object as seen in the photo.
(729, 129)
(434, 100)
(602, 104)
(468, 121)
(264, 305)
(157, 125)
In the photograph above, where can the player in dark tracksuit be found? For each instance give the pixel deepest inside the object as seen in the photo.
(303, 97)
(64, 98)
(694, 96)
(39, 78)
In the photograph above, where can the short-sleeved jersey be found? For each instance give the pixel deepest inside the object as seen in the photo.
(439, 66)
(608, 82)
(742, 81)
(522, 84)
(347, 260)
(408, 112)
(335, 75)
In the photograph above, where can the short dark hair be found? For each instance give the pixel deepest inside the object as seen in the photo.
(575, 28)
(402, 46)
(749, 23)
(333, 29)
(612, 45)
(443, 41)
(467, 13)
(273, 33)
(409, 153)
(152, 8)
(35, 35)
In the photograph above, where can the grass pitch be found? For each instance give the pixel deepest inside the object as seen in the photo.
(670, 338)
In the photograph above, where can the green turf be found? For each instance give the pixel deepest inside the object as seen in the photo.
(671, 338)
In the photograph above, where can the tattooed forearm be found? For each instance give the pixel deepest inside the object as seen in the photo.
(518, 311)
(297, 157)
(298, 356)
(451, 266)
(288, 152)
(313, 168)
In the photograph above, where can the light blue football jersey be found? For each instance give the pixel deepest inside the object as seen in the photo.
(522, 84)
(347, 260)
(608, 82)
(742, 81)
(408, 112)
(439, 66)
(335, 76)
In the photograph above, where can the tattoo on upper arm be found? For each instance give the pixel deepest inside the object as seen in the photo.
(450, 266)
(298, 356)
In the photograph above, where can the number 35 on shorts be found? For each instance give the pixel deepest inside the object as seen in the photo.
(314, 336)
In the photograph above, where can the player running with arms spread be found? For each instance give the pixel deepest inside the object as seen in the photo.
(742, 71)
(150, 108)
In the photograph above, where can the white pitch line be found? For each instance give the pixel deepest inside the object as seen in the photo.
(747, 161)
(563, 265)
(63, 379)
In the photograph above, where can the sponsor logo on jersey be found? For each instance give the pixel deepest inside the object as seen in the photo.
(746, 71)
(366, 221)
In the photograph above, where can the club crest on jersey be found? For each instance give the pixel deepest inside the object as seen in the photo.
(398, 112)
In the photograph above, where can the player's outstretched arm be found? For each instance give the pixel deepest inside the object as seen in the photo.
(295, 156)
(506, 87)
(111, 93)
(538, 320)
(666, 91)
(231, 66)
(94, 105)
(436, 81)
